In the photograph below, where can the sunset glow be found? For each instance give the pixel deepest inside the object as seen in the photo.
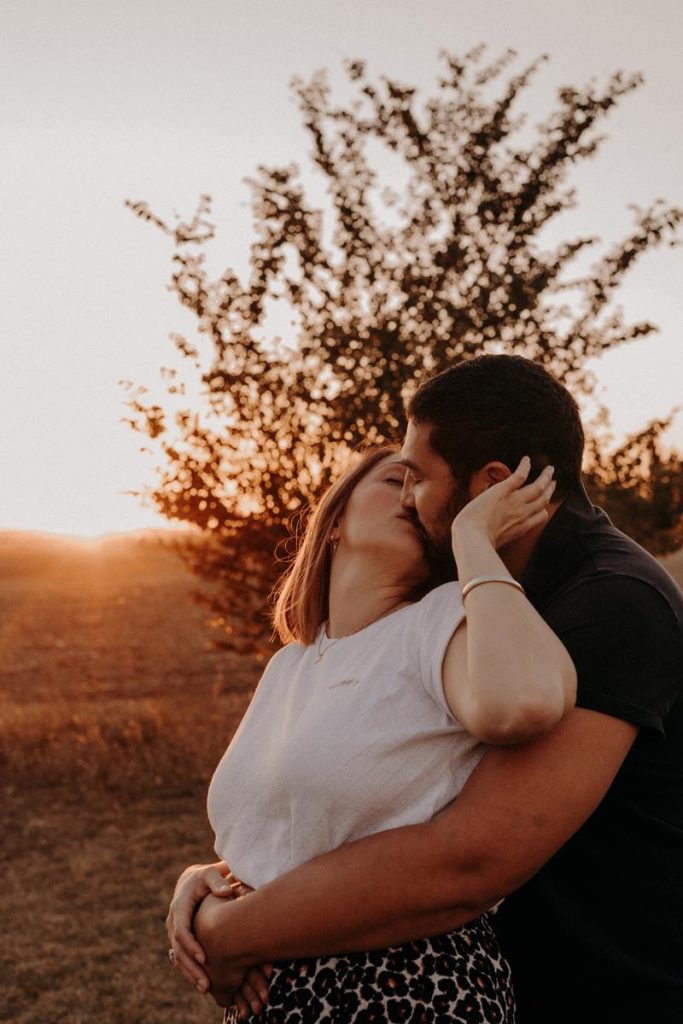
(108, 102)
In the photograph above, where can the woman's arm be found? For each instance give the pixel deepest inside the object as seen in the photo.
(506, 676)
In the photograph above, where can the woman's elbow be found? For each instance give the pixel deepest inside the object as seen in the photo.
(569, 685)
(524, 720)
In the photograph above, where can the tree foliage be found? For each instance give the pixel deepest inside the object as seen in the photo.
(640, 486)
(429, 250)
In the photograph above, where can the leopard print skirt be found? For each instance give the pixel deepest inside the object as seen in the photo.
(457, 977)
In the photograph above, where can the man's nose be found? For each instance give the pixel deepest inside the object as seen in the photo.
(407, 493)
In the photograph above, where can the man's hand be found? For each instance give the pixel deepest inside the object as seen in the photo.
(252, 995)
(227, 975)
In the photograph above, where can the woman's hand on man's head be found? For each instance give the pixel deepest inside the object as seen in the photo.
(510, 508)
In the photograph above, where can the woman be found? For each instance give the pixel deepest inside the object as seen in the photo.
(372, 716)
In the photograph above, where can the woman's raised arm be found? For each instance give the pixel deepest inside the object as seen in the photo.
(506, 676)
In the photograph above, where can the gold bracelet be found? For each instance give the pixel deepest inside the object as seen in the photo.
(478, 580)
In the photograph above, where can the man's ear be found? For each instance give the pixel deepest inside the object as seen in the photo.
(490, 474)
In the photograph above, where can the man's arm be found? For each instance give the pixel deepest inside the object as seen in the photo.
(517, 809)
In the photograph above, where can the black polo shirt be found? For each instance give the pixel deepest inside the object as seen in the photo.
(597, 934)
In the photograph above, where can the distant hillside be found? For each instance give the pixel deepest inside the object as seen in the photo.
(112, 618)
(25, 554)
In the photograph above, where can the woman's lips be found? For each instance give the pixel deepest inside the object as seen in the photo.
(412, 521)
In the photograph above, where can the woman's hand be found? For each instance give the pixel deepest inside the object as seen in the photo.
(194, 884)
(509, 509)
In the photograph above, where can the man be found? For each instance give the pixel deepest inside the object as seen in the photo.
(584, 826)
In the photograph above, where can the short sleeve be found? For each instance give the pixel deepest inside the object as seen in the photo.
(626, 645)
(439, 615)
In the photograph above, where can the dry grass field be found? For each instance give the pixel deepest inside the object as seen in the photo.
(114, 708)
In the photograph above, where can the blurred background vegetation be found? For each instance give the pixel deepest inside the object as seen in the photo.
(346, 309)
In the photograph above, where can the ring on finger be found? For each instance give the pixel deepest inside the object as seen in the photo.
(172, 956)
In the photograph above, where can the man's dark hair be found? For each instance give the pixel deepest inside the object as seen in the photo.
(498, 408)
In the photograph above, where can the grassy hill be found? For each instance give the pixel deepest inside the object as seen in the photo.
(115, 707)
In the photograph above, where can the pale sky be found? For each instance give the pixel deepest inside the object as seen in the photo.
(103, 100)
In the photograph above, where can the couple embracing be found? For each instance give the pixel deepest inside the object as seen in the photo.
(457, 794)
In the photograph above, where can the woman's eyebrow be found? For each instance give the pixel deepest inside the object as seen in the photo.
(409, 464)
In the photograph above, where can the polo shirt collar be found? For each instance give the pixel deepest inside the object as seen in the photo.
(560, 549)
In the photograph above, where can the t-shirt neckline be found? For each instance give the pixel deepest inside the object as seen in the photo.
(349, 636)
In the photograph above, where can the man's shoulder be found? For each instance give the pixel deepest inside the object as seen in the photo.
(625, 637)
(617, 569)
(621, 596)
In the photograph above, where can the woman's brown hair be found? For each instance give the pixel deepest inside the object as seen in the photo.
(301, 596)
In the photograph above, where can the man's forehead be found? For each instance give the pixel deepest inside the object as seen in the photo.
(417, 452)
(417, 436)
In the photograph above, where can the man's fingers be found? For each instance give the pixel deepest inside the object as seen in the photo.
(253, 994)
(248, 992)
(259, 982)
(243, 1007)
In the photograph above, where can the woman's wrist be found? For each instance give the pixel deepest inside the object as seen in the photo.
(476, 556)
(470, 527)
(472, 544)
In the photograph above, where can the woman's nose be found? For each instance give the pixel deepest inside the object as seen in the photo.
(407, 493)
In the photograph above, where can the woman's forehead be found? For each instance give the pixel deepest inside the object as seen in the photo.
(393, 460)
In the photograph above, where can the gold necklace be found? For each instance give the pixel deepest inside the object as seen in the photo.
(323, 651)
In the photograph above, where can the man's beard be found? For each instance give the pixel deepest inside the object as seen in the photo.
(437, 544)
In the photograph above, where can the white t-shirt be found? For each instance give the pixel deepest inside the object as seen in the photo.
(356, 743)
